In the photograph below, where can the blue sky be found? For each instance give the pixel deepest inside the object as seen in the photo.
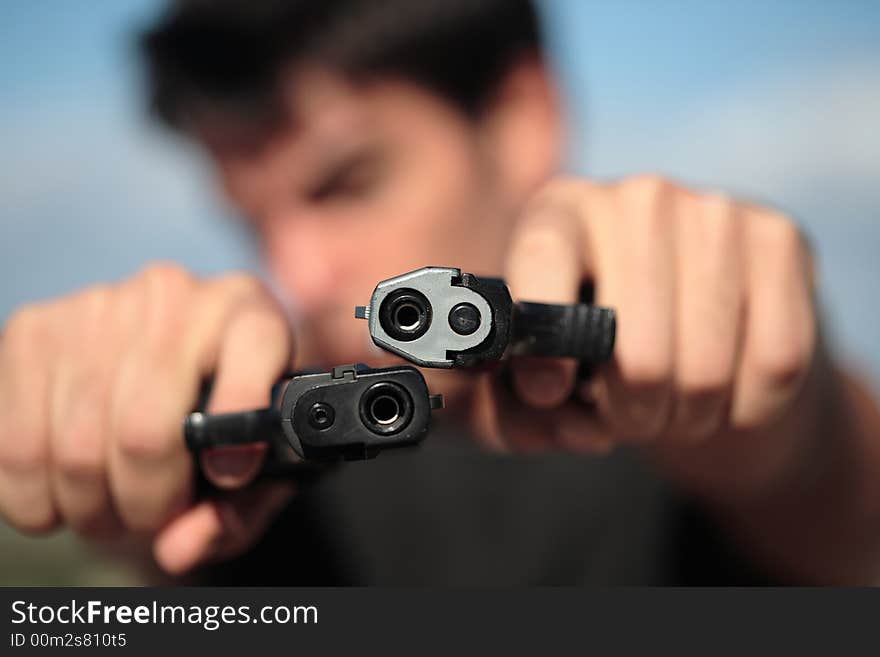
(773, 100)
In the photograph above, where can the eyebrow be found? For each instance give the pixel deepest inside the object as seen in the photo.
(338, 166)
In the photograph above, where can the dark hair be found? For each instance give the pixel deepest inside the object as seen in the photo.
(226, 56)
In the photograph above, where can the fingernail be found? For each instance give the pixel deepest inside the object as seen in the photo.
(230, 466)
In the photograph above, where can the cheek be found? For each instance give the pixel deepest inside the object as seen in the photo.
(311, 260)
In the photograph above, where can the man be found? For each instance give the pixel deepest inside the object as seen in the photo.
(363, 139)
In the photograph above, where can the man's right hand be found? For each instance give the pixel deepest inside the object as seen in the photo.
(93, 391)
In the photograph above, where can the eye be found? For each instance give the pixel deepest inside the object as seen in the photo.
(349, 180)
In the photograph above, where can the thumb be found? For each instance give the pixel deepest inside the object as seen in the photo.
(219, 528)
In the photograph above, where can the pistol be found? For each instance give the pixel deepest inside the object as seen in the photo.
(441, 317)
(350, 413)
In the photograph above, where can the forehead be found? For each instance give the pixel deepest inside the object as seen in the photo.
(320, 105)
(310, 102)
(323, 118)
(321, 111)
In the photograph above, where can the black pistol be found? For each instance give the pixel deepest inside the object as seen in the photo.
(350, 413)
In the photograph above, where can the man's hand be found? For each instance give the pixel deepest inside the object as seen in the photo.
(716, 323)
(93, 390)
(718, 372)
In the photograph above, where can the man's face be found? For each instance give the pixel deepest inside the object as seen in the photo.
(367, 182)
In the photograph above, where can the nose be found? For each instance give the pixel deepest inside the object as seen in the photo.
(300, 255)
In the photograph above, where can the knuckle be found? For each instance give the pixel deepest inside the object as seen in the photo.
(139, 517)
(78, 457)
(646, 368)
(722, 229)
(24, 326)
(164, 280)
(21, 450)
(35, 522)
(646, 200)
(649, 187)
(166, 273)
(703, 393)
(708, 377)
(23, 461)
(785, 233)
(565, 189)
(782, 233)
(719, 212)
(783, 363)
(96, 301)
(79, 465)
(86, 314)
(166, 295)
(242, 284)
(142, 436)
(703, 389)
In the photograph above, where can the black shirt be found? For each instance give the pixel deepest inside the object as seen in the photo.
(451, 514)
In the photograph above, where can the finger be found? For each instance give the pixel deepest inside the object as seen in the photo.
(504, 424)
(780, 320)
(485, 411)
(79, 416)
(579, 429)
(150, 471)
(218, 528)
(25, 493)
(709, 290)
(256, 350)
(545, 265)
(189, 539)
(637, 277)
